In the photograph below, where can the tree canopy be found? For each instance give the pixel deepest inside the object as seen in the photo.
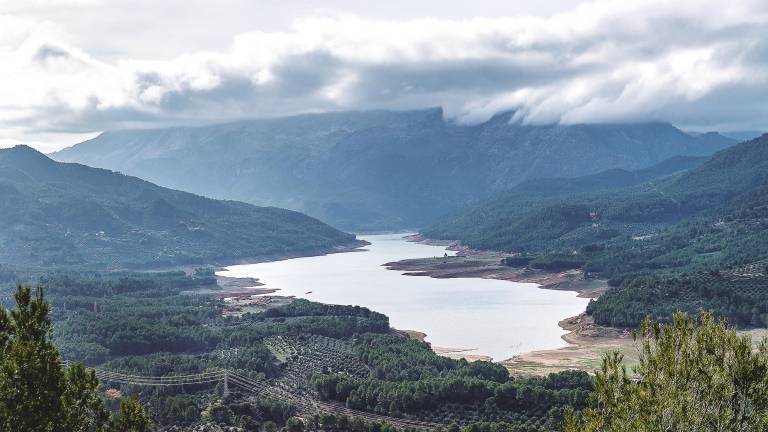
(694, 374)
(36, 393)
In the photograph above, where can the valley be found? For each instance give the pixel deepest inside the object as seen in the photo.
(380, 170)
(497, 314)
(445, 310)
(399, 216)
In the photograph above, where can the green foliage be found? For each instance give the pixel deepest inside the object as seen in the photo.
(407, 377)
(347, 352)
(742, 300)
(341, 423)
(693, 375)
(546, 215)
(557, 262)
(660, 241)
(131, 417)
(31, 380)
(84, 408)
(65, 215)
(36, 394)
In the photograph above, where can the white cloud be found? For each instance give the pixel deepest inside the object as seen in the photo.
(703, 64)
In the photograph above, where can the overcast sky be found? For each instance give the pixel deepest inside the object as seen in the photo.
(72, 68)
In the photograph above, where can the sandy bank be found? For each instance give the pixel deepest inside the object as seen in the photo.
(587, 342)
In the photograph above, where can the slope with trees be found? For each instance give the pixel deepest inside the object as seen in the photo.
(379, 169)
(676, 242)
(36, 393)
(59, 214)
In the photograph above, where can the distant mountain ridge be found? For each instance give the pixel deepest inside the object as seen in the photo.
(554, 215)
(62, 214)
(379, 169)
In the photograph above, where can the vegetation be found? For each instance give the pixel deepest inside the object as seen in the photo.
(148, 324)
(676, 242)
(70, 215)
(379, 170)
(36, 393)
(406, 378)
(693, 375)
(743, 300)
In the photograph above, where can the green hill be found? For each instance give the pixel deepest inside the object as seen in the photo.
(566, 214)
(553, 214)
(688, 240)
(61, 214)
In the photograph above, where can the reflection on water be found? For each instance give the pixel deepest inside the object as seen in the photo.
(497, 318)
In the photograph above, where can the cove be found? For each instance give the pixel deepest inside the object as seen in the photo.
(492, 317)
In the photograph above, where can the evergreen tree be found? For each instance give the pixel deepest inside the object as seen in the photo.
(692, 375)
(31, 379)
(36, 393)
(85, 411)
(131, 418)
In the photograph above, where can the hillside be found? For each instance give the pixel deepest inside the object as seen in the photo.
(691, 240)
(60, 214)
(552, 214)
(379, 169)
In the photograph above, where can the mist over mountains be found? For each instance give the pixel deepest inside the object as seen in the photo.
(378, 170)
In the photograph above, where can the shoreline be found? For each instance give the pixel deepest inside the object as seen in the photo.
(586, 341)
(355, 246)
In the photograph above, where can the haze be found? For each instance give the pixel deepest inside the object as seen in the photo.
(74, 68)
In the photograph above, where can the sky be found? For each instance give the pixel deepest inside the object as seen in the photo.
(70, 69)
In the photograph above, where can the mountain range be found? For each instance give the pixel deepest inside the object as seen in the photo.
(379, 170)
(64, 214)
(681, 214)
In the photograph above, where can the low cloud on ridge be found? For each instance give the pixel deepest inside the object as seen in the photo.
(698, 64)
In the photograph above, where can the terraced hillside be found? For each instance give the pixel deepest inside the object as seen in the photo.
(151, 335)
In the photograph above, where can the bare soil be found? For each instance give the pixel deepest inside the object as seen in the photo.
(587, 342)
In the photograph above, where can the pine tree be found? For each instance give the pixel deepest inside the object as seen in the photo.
(694, 374)
(85, 410)
(31, 380)
(131, 417)
(36, 393)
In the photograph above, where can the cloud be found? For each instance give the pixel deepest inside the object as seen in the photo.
(702, 64)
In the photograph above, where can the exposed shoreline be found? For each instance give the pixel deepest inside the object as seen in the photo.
(586, 341)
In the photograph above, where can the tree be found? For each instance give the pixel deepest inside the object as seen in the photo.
(294, 425)
(36, 393)
(84, 408)
(131, 417)
(32, 382)
(693, 374)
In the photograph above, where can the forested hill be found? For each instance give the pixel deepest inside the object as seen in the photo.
(692, 240)
(379, 169)
(558, 214)
(57, 214)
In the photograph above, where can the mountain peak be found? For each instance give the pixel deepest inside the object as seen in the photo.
(23, 154)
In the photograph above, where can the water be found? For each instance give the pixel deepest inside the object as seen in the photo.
(492, 317)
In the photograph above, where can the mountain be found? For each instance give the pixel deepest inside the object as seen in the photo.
(57, 214)
(379, 169)
(743, 135)
(563, 214)
(684, 240)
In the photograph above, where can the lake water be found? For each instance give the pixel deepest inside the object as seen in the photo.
(495, 318)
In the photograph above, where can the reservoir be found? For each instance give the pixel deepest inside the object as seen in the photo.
(490, 317)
